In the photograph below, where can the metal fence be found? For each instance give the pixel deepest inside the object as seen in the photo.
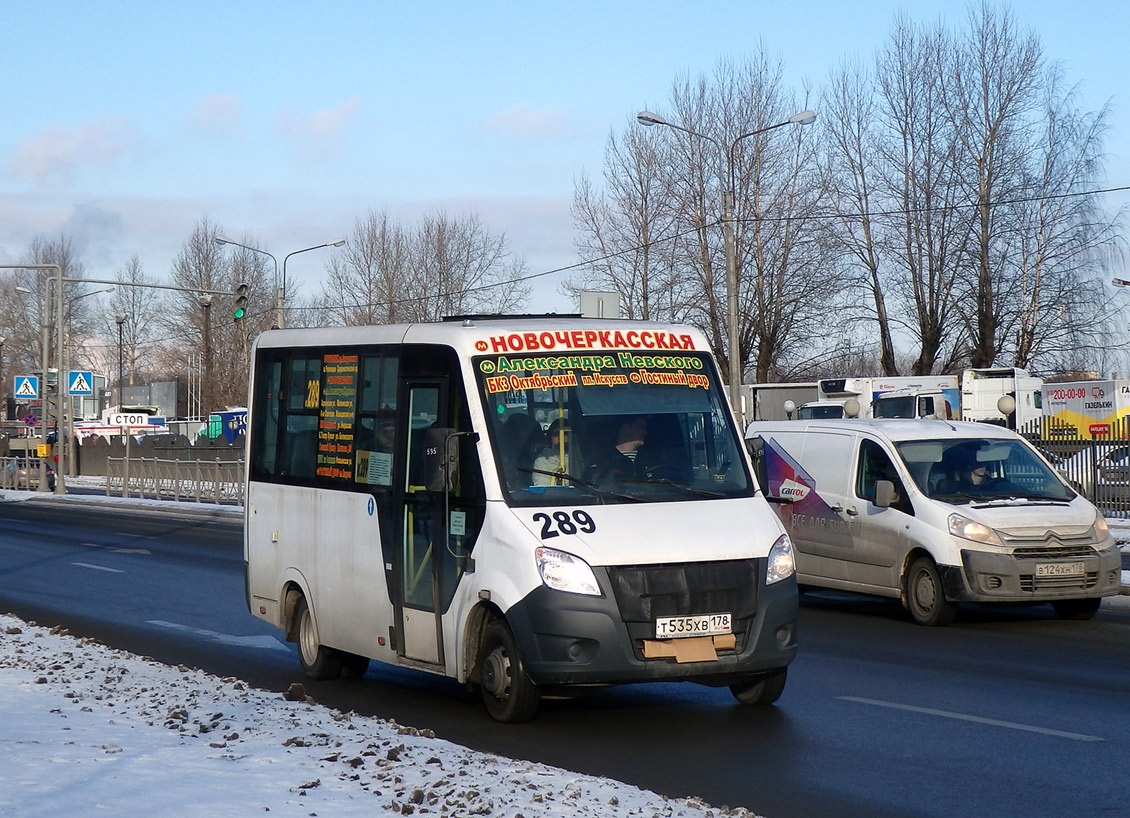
(204, 481)
(21, 473)
(1097, 467)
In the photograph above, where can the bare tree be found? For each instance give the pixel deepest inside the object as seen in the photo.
(853, 183)
(203, 325)
(137, 328)
(447, 266)
(626, 229)
(658, 224)
(992, 81)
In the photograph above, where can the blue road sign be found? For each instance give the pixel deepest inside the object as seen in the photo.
(80, 383)
(27, 386)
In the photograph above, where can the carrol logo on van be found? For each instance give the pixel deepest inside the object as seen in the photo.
(793, 489)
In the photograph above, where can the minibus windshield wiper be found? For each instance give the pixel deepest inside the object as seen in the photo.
(572, 478)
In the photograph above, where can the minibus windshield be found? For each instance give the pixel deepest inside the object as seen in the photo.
(965, 470)
(610, 428)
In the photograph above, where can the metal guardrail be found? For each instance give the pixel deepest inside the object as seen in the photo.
(17, 473)
(204, 481)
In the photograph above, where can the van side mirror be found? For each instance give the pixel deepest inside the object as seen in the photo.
(884, 493)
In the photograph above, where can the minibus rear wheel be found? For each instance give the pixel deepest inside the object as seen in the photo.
(318, 661)
(507, 691)
(763, 689)
(925, 599)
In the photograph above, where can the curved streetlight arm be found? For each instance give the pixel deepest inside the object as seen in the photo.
(226, 240)
(331, 243)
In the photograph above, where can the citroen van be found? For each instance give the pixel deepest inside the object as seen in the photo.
(934, 513)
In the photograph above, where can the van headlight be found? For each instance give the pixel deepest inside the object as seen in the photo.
(1100, 530)
(781, 563)
(564, 572)
(969, 530)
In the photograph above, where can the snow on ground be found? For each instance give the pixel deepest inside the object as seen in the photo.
(85, 729)
(88, 730)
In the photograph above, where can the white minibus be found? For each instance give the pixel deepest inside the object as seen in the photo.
(935, 513)
(531, 506)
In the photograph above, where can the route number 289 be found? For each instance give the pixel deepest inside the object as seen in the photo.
(562, 522)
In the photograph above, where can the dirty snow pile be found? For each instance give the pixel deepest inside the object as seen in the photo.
(85, 729)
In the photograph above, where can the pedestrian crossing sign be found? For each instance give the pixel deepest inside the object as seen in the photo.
(80, 383)
(27, 386)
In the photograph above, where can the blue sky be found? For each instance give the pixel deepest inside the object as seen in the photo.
(125, 123)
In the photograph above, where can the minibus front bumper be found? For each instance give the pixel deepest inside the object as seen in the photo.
(571, 639)
(1010, 577)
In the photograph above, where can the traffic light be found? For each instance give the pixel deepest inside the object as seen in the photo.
(240, 302)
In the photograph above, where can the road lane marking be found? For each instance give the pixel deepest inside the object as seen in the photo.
(1012, 725)
(115, 549)
(261, 641)
(98, 567)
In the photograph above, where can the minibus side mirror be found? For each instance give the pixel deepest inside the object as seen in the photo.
(441, 458)
(884, 493)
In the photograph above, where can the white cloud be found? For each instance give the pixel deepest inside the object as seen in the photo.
(220, 113)
(325, 125)
(59, 152)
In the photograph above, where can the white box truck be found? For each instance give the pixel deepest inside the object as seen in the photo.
(1006, 396)
(1087, 409)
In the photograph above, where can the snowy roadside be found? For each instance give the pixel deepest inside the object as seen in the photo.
(88, 729)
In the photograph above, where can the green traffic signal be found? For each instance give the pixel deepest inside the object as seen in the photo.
(240, 302)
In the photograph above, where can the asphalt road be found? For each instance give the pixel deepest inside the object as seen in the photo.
(1005, 713)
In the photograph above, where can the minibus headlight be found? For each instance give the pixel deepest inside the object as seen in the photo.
(968, 530)
(781, 564)
(564, 572)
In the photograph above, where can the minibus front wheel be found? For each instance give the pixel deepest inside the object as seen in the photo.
(507, 691)
(318, 661)
(763, 689)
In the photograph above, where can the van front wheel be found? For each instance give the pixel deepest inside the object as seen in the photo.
(508, 693)
(925, 599)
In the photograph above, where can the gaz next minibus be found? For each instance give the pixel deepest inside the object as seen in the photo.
(530, 506)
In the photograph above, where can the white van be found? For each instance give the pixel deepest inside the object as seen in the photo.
(935, 513)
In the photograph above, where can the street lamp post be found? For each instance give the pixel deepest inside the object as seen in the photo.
(120, 318)
(735, 368)
(206, 303)
(3, 397)
(282, 290)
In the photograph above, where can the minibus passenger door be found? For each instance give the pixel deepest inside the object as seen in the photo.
(423, 530)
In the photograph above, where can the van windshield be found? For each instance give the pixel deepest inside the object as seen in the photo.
(610, 428)
(964, 470)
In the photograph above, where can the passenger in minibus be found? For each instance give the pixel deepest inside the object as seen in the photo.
(549, 459)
